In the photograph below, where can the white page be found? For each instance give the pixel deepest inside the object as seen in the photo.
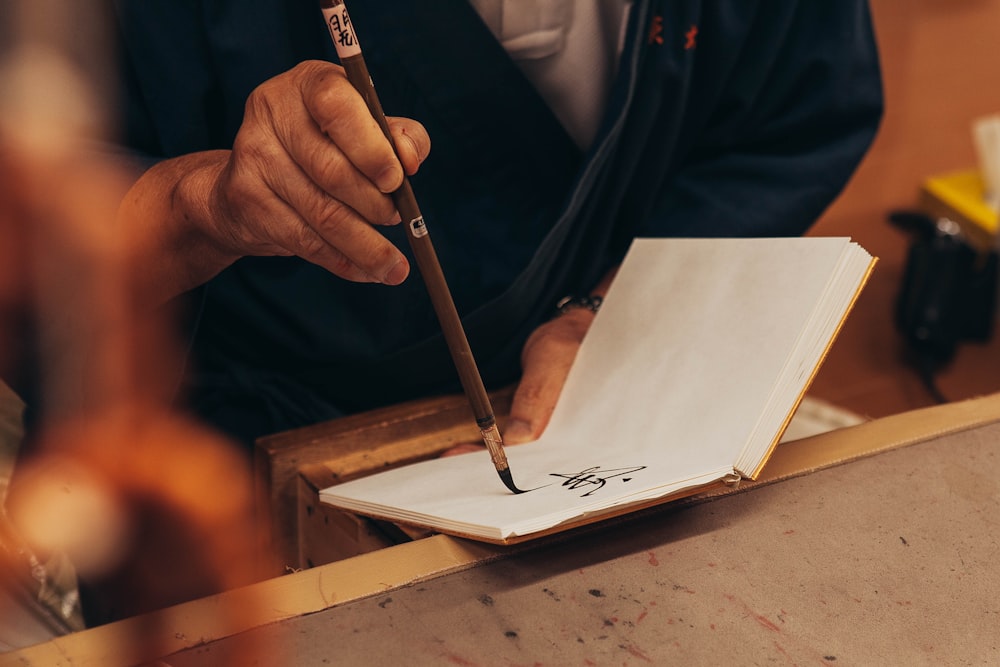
(667, 389)
(805, 358)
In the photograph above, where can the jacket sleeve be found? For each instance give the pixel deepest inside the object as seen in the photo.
(793, 105)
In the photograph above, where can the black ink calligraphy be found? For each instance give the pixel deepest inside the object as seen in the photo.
(593, 479)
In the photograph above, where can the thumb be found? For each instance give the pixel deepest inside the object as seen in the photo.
(546, 360)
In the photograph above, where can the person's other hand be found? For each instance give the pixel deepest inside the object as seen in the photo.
(546, 359)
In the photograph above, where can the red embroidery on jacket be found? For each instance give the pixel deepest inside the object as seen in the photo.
(691, 34)
(656, 31)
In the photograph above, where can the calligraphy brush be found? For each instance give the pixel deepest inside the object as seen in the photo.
(349, 51)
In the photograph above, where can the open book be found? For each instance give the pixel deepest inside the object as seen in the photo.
(689, 374)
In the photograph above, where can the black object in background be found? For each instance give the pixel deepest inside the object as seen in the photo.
(947, 296)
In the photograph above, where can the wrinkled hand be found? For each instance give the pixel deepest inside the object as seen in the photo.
(310, 171)
(308, 175)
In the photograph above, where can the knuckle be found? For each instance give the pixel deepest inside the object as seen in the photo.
(247, 148)
(258, 102)
(255, 146)
(382, 257)
(331, 217)
(305, 67)
(334, 168)
(383, 211)
(328, 99)
(529, 394)
(246, 186)
(331, 101)
(307, 242)
(339, 264)
(337, 225)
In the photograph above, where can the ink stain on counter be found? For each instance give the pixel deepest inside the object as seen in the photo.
(635, 651)
(459, 660)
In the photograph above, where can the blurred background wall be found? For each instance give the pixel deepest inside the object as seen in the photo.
(941, 70)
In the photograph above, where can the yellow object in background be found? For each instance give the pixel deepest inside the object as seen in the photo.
(960, 196)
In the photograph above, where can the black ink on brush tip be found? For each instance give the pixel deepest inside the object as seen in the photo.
(508, 480)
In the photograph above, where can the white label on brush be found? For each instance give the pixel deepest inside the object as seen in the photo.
(342, 32)
(418, 228)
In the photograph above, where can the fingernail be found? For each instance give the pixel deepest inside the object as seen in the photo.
(389, 179)
(517, 431)
(396, 274)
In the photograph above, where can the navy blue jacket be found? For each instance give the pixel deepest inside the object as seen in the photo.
(727, 118)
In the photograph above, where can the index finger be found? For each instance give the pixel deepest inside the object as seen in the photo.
(341, 114)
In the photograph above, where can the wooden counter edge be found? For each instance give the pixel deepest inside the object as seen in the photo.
(216, 617)
(386, 436)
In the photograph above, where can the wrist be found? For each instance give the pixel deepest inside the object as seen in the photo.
(200, 206)
(175, 245)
